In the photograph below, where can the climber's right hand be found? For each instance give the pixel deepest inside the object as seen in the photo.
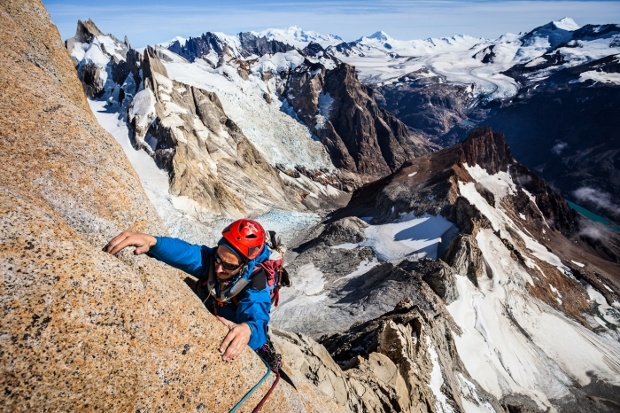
(142, 242)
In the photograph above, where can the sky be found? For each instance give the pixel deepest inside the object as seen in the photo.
(147, 22)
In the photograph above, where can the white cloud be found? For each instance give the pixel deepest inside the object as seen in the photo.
(600, 198)
(559, 147)
(591, 230)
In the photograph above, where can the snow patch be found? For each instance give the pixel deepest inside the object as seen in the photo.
(143, 108)
(310, 280)
(607, 315)
(441, 401)
(362, 269)
(346, 246)
(499, 184)
(600, 77)
(411, 238)
(567, 24)
(557, 293)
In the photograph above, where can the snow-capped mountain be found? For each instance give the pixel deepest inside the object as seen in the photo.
(312, 123)
(480, 62)
(299, 38)
(449, 284)
(293, 37)
(554, 85)
(441, 88)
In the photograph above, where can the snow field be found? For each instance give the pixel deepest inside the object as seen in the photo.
(269, 127)
(380, 59)
(411, 238)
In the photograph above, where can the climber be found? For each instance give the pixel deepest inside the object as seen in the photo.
(235, 287)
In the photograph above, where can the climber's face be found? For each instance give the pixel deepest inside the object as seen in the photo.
(227, 264)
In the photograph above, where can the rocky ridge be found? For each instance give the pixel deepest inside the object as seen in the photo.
(492, 252)
(360, 136)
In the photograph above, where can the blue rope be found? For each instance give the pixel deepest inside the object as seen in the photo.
(253, 389)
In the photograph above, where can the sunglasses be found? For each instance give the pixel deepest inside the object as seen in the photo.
(226, 265)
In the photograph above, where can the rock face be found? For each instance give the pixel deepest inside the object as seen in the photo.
(359, 135)
(197, 47)
(208, 157)
(82, 330)
(210, 44)
(427, 104)
(259, 46)
(123, 62)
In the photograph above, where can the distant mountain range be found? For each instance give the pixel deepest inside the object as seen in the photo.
(554, 91)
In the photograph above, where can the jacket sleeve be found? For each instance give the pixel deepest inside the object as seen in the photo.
(193, 259)
(253, 309)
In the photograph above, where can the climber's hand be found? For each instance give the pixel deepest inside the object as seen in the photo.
(235, 341)
(142, 242)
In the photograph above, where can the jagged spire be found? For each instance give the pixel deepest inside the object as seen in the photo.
(488, 149)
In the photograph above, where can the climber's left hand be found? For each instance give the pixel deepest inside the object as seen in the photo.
(235, 341)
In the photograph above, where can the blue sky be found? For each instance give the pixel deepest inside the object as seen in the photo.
(152, 21)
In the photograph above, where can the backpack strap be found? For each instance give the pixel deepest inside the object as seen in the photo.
(229, 292)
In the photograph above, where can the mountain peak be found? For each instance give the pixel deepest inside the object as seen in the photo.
(553, 33)
(294, 29)
(566, 24)
(487, 149)
(298, 37)
(181, 40)
(380, 35)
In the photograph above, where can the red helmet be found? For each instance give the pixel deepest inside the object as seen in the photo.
(246, 236)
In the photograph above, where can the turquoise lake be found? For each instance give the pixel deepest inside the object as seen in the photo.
(592, 216)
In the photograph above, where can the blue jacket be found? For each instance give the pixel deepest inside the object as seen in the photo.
(250, 306)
